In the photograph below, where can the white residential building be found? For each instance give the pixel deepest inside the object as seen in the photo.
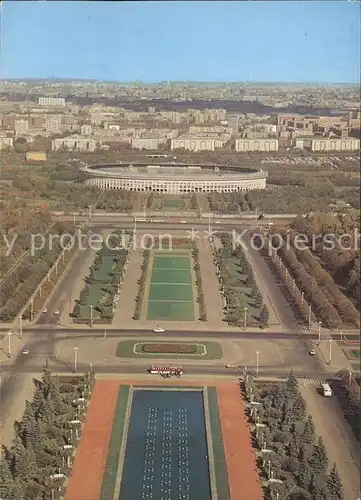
(147, 143)
(6, 142)
(51, 101)
(74, 143)
(53, 124)
(250, 145)
(86, 130)
(21, 126)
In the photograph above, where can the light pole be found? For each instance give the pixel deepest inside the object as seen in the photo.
(302, 298)
(20, 327)
(286, 273)
(309, 316)
(293, 283)
(245, 318)
(75, 358)
(257, 361)
(329, 350)
(9, 342)
(105, 334)
(349, 377)
(319, 331)
(31, 309)
(91, 315)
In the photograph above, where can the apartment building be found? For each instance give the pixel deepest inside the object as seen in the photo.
(86, 130)
(319, 143)
(6, 142)
(147, 143)
(74, 143)
(253, 145)
(52, 101)
(53, 124)
(21, 126)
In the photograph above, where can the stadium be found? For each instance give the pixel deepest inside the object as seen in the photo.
(174, 178)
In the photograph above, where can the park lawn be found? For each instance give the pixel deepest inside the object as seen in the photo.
(171, 262)
(356, 353)
(170, 311)
(169, 292)
(106, 267)
(219, 457)
(173, 203)
(171, 276)
(125, 349)
(111, 468)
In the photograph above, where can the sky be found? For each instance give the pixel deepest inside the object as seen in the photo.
(286, 41)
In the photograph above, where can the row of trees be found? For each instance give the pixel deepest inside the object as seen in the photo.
(105, 276)
(21, 283)
(292, 460)
(343, 264)
(235, 272)
(348, 393)
(199, 284)
(39, 459)
(142, 284)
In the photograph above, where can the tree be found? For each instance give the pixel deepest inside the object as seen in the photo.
(264, 315)
(29, 429)
(20, 145)
(308, 435)
(18, 490)
(334, 485)
(6, 479)
(319, 460)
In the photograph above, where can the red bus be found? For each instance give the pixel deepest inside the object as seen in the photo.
(166, 370)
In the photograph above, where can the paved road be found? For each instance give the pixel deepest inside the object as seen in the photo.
(221, 335)
(340, 443)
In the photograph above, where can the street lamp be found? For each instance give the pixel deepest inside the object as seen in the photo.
(309, 316)
(245, 318)
(9, 342)
(20, 327)
(257, 361)
(75, 358)
(91, 315)
(319, 331)
(302, 298)
(329, 350)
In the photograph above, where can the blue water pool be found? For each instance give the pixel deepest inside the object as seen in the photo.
(166, 455)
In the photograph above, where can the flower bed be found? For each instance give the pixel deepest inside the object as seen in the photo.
(170, 348)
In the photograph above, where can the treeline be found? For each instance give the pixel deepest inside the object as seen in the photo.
(343, 264)
(142, 284)
(21, 283)
(235, 272)
(295, 465)
(348, 393)
(329, 304)
(39, 459)
(199, 284)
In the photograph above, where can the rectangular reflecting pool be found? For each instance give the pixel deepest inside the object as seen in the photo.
(166, 455)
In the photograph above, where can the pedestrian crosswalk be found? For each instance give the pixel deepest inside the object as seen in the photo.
(312, 381)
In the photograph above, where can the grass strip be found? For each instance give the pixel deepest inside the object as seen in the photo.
(219, 457)
(111, 467)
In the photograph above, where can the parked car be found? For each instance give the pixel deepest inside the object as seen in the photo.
(158, 329)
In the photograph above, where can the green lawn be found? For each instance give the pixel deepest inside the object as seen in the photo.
(170, 311)
(111, 467)
(171, 276)
(173, 203)
(220, 466)
(169, 292)
(125, 349)
(170, 261)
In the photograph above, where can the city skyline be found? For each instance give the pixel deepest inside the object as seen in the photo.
(273, 42)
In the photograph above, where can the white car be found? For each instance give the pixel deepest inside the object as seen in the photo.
(44, 310)
(312, 352)
(57, 312)
(158, 329)
(26, 351)
(183, 222)
(216, 222)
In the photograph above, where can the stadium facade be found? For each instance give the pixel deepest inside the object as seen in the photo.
(174, 178)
